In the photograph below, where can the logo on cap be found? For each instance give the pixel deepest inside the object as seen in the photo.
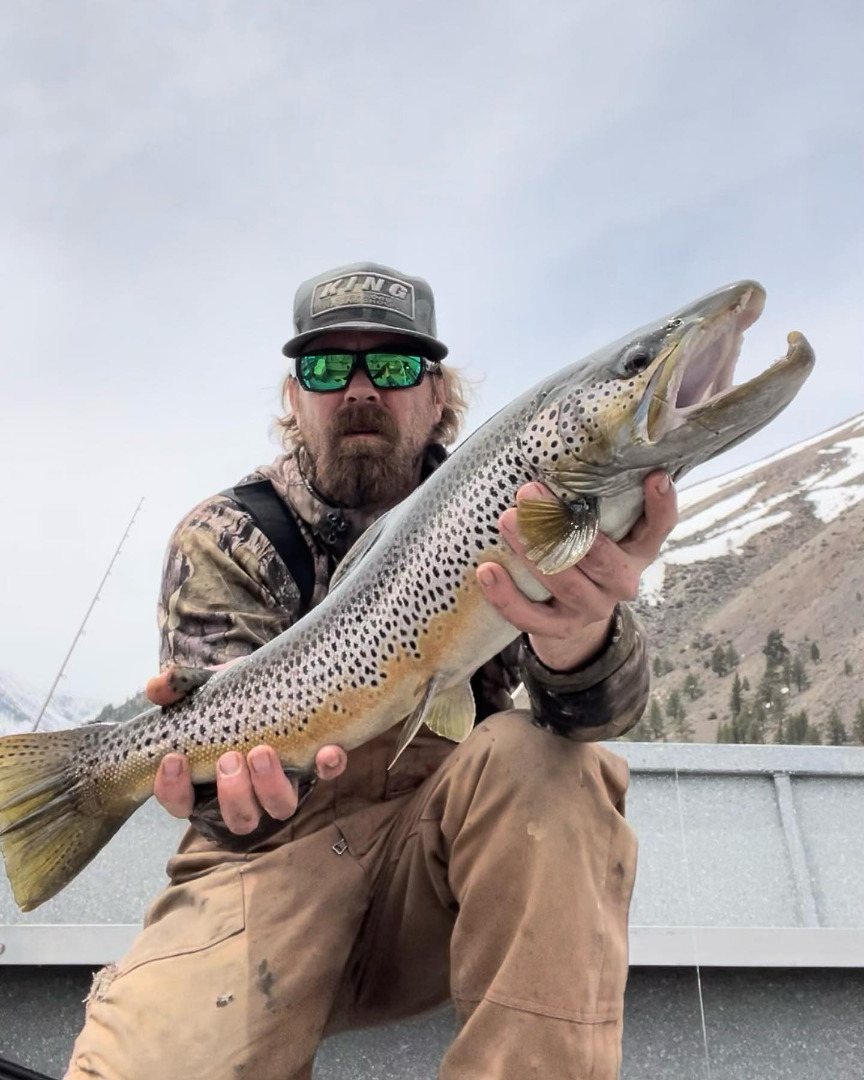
(363, 290)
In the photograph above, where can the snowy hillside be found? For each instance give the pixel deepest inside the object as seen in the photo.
(718, 517)
(20, 704)
(775, 546)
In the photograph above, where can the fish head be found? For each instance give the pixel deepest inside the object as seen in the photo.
(662, 397)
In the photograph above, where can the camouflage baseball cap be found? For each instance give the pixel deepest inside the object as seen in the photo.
(365, 296)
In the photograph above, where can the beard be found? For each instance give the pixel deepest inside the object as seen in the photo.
(362, 460)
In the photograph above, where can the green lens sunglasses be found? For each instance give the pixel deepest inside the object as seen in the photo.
(330, 370)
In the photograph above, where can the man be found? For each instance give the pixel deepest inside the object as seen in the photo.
(496, 874)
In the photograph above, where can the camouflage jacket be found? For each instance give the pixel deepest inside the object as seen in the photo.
(225, 592)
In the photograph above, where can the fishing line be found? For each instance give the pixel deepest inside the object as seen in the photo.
(691, 909)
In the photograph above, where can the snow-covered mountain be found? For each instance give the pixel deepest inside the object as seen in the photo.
(20, 704)
(774, 545)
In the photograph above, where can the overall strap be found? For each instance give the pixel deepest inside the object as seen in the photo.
(261, 502)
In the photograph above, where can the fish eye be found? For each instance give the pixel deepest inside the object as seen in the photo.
(635, 360)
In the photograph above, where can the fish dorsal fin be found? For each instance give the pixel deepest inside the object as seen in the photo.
(557, 534)
(450, 713)
(358, 551)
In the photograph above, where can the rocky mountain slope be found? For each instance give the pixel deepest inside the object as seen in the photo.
(775, 546)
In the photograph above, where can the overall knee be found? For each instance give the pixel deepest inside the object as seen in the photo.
(532, 766)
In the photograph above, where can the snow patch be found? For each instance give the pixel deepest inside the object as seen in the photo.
(728, 542)
(651, 582)
(708, 488)
(704, 519)
(830, 502)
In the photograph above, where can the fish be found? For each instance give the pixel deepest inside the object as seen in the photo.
(405, 623)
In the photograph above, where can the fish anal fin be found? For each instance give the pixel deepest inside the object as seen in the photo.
(557, 534)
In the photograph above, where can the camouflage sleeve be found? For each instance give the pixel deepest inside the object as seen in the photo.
(602, 700)
(225, 592)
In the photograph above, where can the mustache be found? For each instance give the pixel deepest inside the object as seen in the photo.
(366, 417)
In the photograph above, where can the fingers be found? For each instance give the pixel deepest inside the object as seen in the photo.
(160, 691)
(245, 786)
(173, 684)
(330, 762)
(539, 618)
(659, 518)
(173, 785)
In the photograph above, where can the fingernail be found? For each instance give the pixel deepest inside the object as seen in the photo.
(260, 763)
(486, 575)
(172, 767)
(664, 483)
(229, 764)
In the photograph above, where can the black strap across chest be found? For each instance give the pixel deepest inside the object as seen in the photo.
(261, 502)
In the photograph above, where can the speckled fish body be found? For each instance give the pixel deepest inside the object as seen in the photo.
(405, 623)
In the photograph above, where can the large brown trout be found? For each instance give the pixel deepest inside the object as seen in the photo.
(405, 623)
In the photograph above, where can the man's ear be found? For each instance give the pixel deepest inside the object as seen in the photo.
(293, 390)
(439, 393)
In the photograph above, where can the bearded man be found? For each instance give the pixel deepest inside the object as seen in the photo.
(496, 874)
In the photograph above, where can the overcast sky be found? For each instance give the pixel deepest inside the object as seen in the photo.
(561, 172)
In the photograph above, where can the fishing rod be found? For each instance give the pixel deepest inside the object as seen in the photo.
(87, 614)
(10, 1071)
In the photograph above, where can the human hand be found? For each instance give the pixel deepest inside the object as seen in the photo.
(245, 786)
(571, 627)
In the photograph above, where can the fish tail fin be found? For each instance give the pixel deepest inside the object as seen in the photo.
(52, 822)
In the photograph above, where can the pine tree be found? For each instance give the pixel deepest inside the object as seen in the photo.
(775, 649)
(757, 728)
(796, 728)
(745, 684)
(692, 687)
(847, 667)
(815, 655)
(719, 663)
(858, 723)
(657, 667)
(813, 737)
(736, 699)
(682, 730)
(656, 724)
(835, 729)
(799, 674)
(732, 656)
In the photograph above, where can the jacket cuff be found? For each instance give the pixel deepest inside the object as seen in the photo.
(601, 700)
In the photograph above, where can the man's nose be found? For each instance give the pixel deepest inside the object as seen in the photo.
(361, 388)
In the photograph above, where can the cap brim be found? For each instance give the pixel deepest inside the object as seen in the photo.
(432, 347)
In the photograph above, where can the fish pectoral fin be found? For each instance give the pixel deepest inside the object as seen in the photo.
(556, 534)
(451, 713)
(358, 551)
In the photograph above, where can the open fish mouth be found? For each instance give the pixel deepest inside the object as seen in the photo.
(693, 383)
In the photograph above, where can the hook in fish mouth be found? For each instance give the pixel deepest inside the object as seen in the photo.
(694, 380)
